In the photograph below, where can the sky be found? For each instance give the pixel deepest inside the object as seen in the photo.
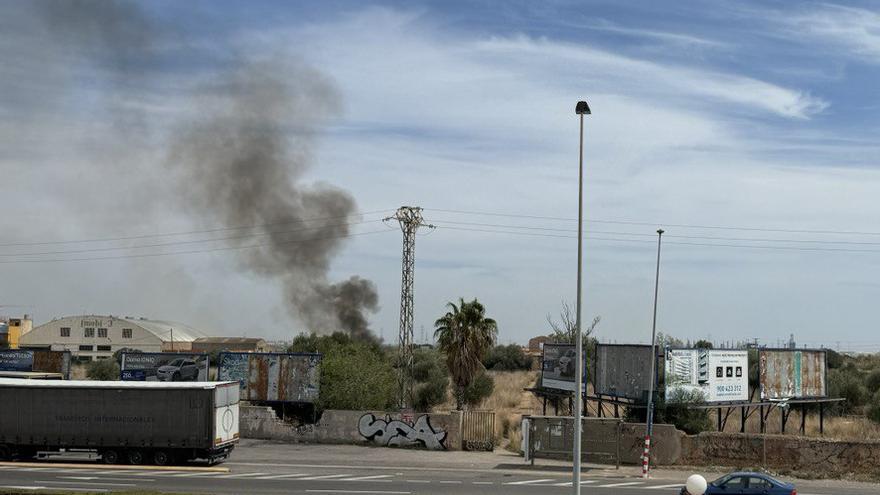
(746, 130)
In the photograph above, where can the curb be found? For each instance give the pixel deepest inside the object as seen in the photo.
(117, 467)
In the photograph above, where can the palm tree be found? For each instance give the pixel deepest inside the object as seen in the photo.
(465, 335)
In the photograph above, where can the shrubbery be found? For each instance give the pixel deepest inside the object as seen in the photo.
(507, 358)
(103, 370)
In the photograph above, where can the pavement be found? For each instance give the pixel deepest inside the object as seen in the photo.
(258, 467)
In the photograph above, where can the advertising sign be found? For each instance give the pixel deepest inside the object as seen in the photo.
(558, 367)
(624, 370)
(792, 374)
(164, 367)
(719, 375)
(272, 376)
(36, 360)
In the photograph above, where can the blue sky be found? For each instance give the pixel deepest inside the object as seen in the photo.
(758, 117)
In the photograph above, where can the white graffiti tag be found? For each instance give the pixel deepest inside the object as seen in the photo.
(388, 433)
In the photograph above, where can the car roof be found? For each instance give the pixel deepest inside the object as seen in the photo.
(757, 475)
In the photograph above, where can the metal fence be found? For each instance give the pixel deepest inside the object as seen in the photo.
(478, 430)
(553, 437)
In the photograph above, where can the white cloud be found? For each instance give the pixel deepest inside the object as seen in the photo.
(854, 29)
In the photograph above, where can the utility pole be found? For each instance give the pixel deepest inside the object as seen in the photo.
(410, 219)
(650, 416)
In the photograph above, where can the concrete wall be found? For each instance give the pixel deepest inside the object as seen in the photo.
(428, 431)
(808, 456)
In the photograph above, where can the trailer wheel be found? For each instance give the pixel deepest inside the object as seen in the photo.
(135, 457)
(162, 458)
(5, 453)
(110, 457)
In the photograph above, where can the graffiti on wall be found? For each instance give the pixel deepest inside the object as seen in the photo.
(394, 433)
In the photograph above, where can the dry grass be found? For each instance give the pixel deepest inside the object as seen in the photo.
(836, 427)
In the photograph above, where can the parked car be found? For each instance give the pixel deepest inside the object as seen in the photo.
(747, 483)
(179, 370)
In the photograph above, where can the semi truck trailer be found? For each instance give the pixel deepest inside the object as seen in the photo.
(124, 422)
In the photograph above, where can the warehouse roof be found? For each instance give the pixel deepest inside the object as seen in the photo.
(162, 329)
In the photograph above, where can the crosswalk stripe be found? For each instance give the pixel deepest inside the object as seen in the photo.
(628, 483)
(282, 476)
(326, 477)
(660, 487)
(569, 483)
(529, 482)
(366, 478)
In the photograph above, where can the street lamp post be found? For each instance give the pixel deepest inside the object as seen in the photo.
(650, 413)
(581, 109)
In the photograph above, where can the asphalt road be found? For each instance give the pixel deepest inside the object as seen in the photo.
(274, 468)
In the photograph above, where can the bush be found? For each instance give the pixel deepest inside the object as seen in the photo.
(680, 411)
(480, 388)
(873, 411)
(431, 379)
(846, 382)
(507, 358)
(834, 359)
(103, 370)
(873, 381)
(354, 374)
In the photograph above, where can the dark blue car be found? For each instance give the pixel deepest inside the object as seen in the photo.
(746, 483)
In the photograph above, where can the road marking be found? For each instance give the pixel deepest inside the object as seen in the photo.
(568, 483)
(89, 478)
(282, 476)
(660, 487)
(530, 482)
(34, 488)
(483, 482)
(628, 483)
(374, 477)
(325, 477)
(452, 482)
(242, 475)
(84, 483)
(156, 473)
(35, 469)
(417, 481)
(378, 492)
(188, 475)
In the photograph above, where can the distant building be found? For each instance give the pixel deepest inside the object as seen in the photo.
(536, 344)
(15, 328)
(90, 337)
(234, 344)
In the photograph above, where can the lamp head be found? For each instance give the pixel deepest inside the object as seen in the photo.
(582, 108)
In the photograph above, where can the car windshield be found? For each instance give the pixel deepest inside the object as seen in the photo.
(176, 362)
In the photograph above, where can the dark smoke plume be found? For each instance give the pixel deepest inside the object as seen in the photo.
(240, 159)
(241, 162)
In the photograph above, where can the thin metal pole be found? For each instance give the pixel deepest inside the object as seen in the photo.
(650, 418)
(579, 372)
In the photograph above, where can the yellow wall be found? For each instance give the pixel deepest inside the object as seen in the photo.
(17, 328)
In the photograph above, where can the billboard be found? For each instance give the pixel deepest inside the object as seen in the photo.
(792, 373)
(36, 360)
(272, 376)
(558, 367)
(720, 375)
(164, 367)
(623, 370)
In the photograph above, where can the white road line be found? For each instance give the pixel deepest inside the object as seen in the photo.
(242, 475)
(34, 488)
(35, 469)
(194, 475)
(482, 482)
(84, 483)
(325, 477)
(89, 478)
(374, 477)
(451, 482)
(156, 473)
(568, 483)
(530, 482)
(377, 492)
(628, 483)
(660, 487)
(417, 481)
(282, 476)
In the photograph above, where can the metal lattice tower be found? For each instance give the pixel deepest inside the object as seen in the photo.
(410, 219)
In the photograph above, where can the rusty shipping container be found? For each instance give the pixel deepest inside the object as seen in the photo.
(273, 377)
(792, 373)
(623, 370)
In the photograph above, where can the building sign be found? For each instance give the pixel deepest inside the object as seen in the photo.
(718, 375)
(36, 360)
(558, 367)
(164, 367)
(792, 374)
(272, 376)
(16, 360)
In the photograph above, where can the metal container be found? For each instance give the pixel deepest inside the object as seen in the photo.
(792, 373)
(623, 370)
(273, 376)
(193, 420)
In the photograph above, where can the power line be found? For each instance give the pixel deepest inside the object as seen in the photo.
(191, 232)
(197, 251)
(197, 241)
(665, 224)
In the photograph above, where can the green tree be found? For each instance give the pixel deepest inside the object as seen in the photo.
(103, 369)
(507, 358)
(873, 410)
(703, 344)
(354, 374)
(431, 379)
(480, 388)
(465, 335)
(873, 381)
(847, 383)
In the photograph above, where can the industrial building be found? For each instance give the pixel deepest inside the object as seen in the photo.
(90, 337)
(234, 344)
